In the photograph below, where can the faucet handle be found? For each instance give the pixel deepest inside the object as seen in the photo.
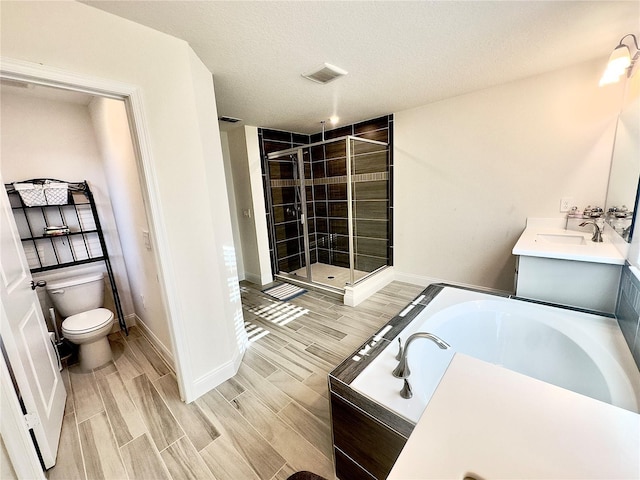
(406, 391)
(399, 355)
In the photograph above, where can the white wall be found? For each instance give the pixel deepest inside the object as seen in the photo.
(247, 178)
(44, 138)
(233, 208)
(224, 290)
(181, 155)
(111, 126)
(469, 171)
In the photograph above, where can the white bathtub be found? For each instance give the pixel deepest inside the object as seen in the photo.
(577, 351)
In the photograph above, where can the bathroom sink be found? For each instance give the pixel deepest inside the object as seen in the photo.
(561, 239)
(548, 238)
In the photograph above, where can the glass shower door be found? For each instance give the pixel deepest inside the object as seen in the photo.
(369, 207)
(329, 211)
(289, 210)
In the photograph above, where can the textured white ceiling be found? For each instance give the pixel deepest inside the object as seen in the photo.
(399, 55)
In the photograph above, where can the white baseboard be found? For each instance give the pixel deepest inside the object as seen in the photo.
(129, 321)
(164, 351)
(215, 377)
(205, 383)
(424, 281)
(253, 278)
(355, 295)
(414, 279)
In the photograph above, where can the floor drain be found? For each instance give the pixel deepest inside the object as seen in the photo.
(331, 277)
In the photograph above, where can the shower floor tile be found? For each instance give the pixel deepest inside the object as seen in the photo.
(329, 274)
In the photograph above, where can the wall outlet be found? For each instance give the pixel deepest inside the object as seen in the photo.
(565, 204)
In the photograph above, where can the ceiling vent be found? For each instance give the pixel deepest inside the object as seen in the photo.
(229, 119)
(325, 73)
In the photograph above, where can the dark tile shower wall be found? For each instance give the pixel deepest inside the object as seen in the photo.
(371, 191)
(326, 192)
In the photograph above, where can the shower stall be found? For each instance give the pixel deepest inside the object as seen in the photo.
(329, 211)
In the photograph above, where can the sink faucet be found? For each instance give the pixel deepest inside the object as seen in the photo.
(402, 370)
(597, 233)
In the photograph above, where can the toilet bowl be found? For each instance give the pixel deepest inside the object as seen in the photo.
(89, 330)
(80, 299)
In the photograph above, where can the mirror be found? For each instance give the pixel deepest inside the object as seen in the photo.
(625, 164)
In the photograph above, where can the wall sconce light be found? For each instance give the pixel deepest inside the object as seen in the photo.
(620, 61)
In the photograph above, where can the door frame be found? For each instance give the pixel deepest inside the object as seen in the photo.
(132, 96)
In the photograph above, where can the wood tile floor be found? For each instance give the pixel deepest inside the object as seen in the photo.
(126, 420)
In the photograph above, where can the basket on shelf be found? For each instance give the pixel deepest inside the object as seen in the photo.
(40, 194)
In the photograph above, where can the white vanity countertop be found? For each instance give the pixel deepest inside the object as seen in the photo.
(548, 242)
(485, 421)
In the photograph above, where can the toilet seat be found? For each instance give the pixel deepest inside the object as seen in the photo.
(88, 321)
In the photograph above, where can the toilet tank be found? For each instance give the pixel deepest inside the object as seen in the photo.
(79, 294)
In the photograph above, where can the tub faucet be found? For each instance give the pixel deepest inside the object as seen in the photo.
(402, 370)
(597, 232)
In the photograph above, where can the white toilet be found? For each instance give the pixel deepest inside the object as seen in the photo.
(80, 299)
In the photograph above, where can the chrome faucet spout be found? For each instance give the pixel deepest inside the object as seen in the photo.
(597, 232)
(402, 370)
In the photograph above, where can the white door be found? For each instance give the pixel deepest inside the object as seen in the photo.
(26, 339)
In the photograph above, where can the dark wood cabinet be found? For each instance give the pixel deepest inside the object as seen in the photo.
(347, 469)
(365, 448)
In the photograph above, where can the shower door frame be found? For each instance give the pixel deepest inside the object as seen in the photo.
(299, 151)
(352, 253)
